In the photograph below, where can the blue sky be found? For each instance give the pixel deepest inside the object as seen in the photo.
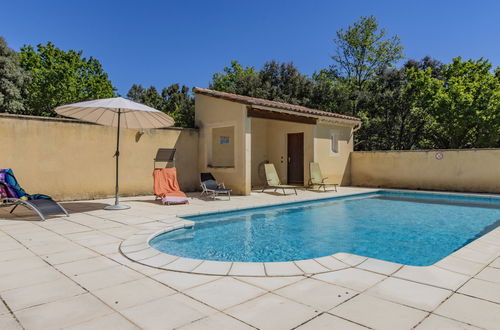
(163, 42)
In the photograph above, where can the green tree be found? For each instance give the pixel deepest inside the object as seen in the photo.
(329, 93)
(283, 82)
(280, 82)
(362, 51)
(395, 109)
(175, 100)
(467, 113)
(59, 77)
(236, 79)
(13, 81)
(426, 63)
(180, 102)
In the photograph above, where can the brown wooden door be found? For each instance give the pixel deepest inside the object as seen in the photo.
(295, 159)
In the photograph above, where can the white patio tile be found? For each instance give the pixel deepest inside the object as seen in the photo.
(133, 293)
(158, 260)
(134, 240)
(106, 249)
(332, 263)
(168, 312)
(21, 265)
(311, 267)
(317, 294)
(495, 263)
(271, 283)
(432, 275)
(348, 258)
(52, 247)
(330, 322)
(486, 244)
(17, 253)
(63, 313)
(470, 310)
(69, 256)
(409, 293)
(8, 322)
(474, 255)
(91, 238)
(183, 264)
(129, 249)
(224, 293)
(352, 278)
(378, 314)
(86, 265)
(3, 308)
(482, 289)
(122, 232)
(460, 265)
(65, 227)
(183, 281)
(282, 269)
(106, 277)
(108, 322)
(29, 296)
(489, 274)
(247, 269)
(217, 321)
(143, 269)
(31, 277)
(10, 244)
(379, 266)
(436, 322)
(213, 268)
(272, 312)
(143, 254)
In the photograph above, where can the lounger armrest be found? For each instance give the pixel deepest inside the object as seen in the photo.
(221, 185)
(323, 181)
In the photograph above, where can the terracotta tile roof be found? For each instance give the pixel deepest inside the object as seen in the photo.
(272, 104)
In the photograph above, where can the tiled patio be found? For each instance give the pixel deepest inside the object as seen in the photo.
(69, 273)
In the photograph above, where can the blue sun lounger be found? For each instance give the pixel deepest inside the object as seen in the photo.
(11, 194)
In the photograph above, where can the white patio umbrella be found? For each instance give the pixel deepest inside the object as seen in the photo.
(117, 112)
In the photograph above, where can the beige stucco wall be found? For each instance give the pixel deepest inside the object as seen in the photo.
(474, 170)
(259, 153)
(269, 143)
(223, 154)
(334, 165)
(74, 160)
(277, 140)
(211, 113)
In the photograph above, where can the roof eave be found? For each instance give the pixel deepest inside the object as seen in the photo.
(331, 117)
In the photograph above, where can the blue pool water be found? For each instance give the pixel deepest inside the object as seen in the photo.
(409, 228)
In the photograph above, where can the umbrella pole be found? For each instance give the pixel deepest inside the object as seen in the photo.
(117, 205)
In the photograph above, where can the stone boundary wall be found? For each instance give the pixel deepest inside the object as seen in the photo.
(468, 170)
(70, 159)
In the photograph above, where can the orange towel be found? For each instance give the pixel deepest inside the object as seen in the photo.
(165, 183)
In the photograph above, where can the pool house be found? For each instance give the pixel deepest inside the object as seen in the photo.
(239, 134)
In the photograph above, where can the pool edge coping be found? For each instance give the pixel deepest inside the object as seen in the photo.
(137, 248)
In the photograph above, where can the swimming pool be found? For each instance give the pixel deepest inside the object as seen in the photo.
(410, 228)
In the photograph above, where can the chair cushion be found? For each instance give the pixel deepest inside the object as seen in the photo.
(211, 184)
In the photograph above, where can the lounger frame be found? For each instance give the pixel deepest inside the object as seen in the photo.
(282, 187)
(54, 208)
(221, 188)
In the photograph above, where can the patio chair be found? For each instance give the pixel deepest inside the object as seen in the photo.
(317, 179)
(210, 186)
(166, 186)
(273, 181)
(11, 194)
